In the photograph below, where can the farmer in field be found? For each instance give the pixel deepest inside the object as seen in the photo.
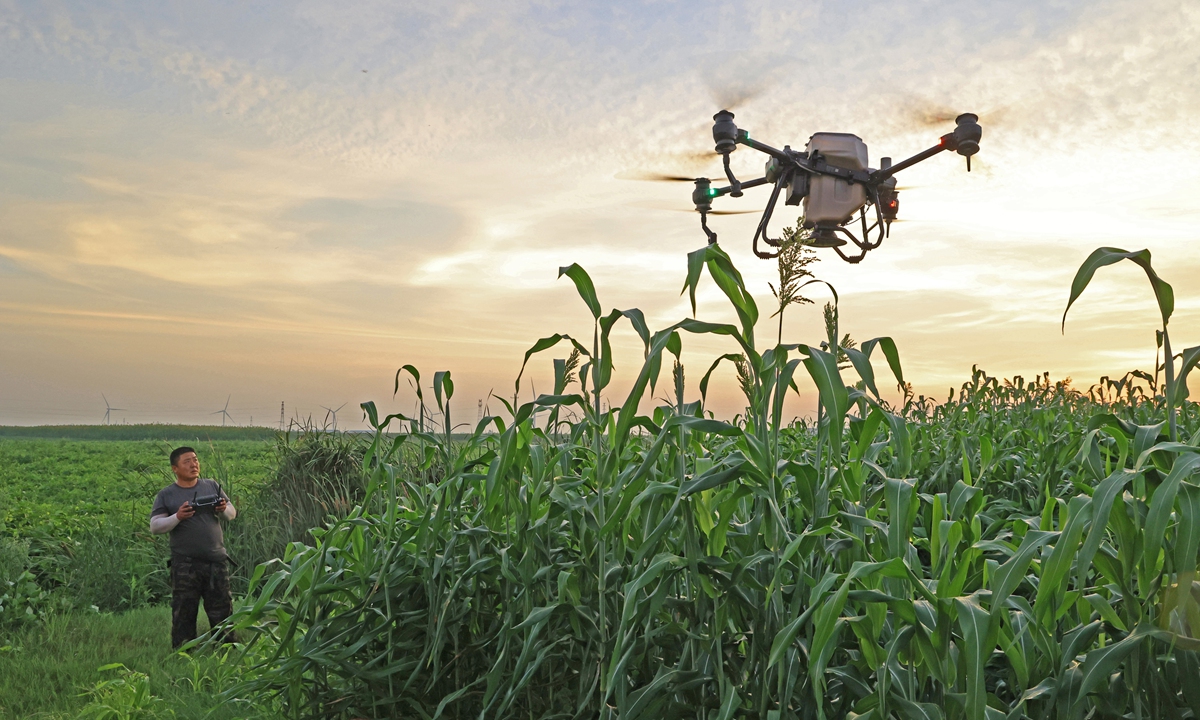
(199, 565)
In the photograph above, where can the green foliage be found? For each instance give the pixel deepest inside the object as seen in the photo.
(60, 487)
(317, 475)
(78, 529)
(126, 696)
(47, 668)
(14, 558)
(78, 511)
(989, 556)
(1176, 390)
(1022, 549)
(22, 600)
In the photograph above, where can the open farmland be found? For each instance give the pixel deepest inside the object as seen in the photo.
(83, 584)
(66, 484)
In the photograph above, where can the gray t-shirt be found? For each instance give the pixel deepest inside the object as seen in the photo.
(200, 535)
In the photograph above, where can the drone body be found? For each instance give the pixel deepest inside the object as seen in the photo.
(831, 178)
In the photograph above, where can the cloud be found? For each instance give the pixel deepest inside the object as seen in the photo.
(228, 166)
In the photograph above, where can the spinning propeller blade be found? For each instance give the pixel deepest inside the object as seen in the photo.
(926, 114)
(732, 96)
(654, 177)
(656, 206)
(685, 167)
(720, 212)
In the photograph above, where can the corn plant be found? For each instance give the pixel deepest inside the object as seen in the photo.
(1021, 550)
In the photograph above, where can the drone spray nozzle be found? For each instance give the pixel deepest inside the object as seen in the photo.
(824, 237)
(725, 132)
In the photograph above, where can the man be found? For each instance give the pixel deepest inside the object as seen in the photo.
(198, 560)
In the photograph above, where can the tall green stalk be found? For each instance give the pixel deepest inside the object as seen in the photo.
(1021, 549)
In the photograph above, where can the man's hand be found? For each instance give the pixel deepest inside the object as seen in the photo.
(185, 511)
(220, 506)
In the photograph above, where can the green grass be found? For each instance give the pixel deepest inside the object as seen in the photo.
(66, 485)
(74, 513)
(78, 524)
(45, 668)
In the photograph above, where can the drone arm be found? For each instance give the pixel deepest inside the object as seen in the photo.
(744, 139)
(745, 186)
(735, 187)
(884, 174)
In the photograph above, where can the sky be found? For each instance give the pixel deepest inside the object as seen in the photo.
(268, 203)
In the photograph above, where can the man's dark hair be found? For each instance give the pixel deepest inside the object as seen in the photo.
(178, 452)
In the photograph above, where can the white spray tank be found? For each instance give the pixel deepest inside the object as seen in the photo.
(832, 201)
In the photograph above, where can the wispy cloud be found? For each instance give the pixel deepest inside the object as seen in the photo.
(410, 176)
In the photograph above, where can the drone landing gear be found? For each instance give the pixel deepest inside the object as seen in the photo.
(822, 235)
(881, 229)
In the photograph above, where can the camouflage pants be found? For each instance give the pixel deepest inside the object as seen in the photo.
(194, 580)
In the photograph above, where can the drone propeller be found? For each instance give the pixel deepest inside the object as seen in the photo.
(654, 177)
(695, 159)
(734, 95)
(929, 114)
(720, 212)
(656, 206)
(725, 77)
(687, 167)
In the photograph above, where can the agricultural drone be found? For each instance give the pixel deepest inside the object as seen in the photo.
(831, 178)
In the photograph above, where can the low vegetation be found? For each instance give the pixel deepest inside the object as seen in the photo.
(83, 584)
(56, 669)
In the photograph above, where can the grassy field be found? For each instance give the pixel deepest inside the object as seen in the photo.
(89, 580)
(46, 669)
(73, 515)
(66, 485)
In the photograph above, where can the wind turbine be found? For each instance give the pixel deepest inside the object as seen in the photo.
(333, 412)
(108, 410)
(224, 412)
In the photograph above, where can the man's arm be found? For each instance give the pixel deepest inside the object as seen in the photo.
(225, 508)
(161, 524)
